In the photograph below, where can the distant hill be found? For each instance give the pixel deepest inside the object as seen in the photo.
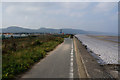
(15, 29)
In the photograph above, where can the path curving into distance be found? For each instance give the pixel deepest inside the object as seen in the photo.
(59, 63)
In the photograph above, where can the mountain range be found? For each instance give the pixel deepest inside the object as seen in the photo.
(16, 29)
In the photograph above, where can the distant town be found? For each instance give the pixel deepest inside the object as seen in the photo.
(24, 34)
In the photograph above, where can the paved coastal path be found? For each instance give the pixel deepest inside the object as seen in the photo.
(59, 63)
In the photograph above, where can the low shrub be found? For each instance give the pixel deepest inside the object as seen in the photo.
(36, 42)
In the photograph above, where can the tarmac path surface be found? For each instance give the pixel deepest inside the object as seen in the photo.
(59, 63)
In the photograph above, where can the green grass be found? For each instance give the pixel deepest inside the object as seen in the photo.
(17, 59)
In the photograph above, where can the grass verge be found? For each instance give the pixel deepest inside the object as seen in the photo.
(20, 54)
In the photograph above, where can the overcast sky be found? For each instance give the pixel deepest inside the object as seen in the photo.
(90, 16)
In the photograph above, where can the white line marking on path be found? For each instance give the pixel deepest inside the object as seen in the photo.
(71, 51)
(71, 56)
(71, 59)
(71, 63)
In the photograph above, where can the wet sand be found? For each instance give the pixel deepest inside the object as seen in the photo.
(106, 38)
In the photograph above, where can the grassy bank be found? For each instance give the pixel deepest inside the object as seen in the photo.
(19, 54)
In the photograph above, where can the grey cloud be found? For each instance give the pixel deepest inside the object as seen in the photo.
(79, 15)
